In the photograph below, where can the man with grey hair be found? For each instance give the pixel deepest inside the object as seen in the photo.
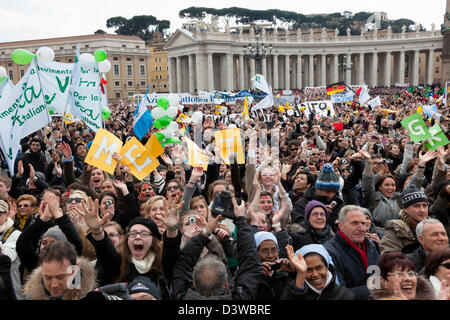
(352, 252)
(208, 279)
(431, 235)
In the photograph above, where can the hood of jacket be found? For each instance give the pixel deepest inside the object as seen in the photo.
(424, 291)
(34, 287)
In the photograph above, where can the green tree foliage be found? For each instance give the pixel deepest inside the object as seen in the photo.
(99, 31)
(141, 26)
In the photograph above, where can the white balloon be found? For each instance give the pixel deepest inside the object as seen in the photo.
(158, 113)
(232, 126)
(290, 112)
(104, 66)
(168, 133)
(45, 54)
(173, 125)
(2, 72)
(172, 111)
(197, 116)
(174, 99)
(86, 58)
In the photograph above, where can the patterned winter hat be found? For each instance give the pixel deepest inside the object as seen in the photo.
(412, 195)
(328, 179)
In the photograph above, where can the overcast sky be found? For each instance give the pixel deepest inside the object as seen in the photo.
(38, 19)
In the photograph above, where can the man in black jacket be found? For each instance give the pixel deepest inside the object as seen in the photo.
(352, 252)
(208, 278)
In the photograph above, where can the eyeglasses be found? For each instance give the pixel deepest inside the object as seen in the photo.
(23, 205)
(315, 154)
(113, 235)
(143, 234)
(318, 214)
(266, 251)
(173, 188)
(267, 175)
(76, 200)
(446, 265)
(401, 274)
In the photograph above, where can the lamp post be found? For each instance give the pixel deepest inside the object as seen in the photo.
(258, 52)
(343, 66)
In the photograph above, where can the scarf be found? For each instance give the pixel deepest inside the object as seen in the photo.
(362, 251)
(8, 224)
(143, 266)
(410, 222)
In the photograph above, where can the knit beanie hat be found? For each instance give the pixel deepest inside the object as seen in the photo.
(264, 235)
(55, 233)
(149, 223)
(314, 204)
(328, 179)
(412, 195)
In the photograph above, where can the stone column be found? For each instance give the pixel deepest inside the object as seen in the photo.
(241, 72)
(210, 73)
(387, 70)
(172, 75)
(415, 81)
(192, 81)
(348, 71)
(311, 70)
(299, 71)
(361, 68)
(179, 83)
(287, 77)
(323, 70)
(199, 63)
(229, 72)
(335, 68)
(252, 72)
(402, 67)
(374, 69)
(430, 67)
(275, 72)
(264, 67)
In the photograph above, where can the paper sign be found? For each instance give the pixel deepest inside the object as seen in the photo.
(438, 138)
(229, 142)
(417, 128)
(182, 118)
(101, 151)
(154, 147)
(195, 156)
(68, 118)
(138, 159)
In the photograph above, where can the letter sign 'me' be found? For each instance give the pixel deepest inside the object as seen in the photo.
(101, 151)
(138, 159)
(417, 128)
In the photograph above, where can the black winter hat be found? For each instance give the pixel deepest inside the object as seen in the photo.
(412, 195)
(144, 284)
(149, 223)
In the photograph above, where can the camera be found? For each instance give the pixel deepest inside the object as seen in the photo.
(191, 220)
(275, 266)
(222, 205)
(108, 203)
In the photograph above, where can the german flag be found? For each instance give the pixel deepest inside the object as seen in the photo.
(335, 88)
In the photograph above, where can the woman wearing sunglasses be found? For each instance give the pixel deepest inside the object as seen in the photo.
(437, 270)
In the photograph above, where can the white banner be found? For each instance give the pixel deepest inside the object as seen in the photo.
(185, 98)
(319, 108)
(344, 97)
(55, 79)
(260, 82)
(364, 95)
(374, 102)
(23, 111)
(86, 99)
(265, 103)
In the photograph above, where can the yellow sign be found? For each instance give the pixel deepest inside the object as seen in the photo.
(154, 147)
(229, 142)
(68, 118)
(195, 156)
(138, 159)
(182, 118)
(101, 151)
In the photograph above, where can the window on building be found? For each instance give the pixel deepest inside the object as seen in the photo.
(61, 48)
(142, 70)
(160, 77)
(130, 83)
(117, 83)
(156, 59)
(165, 86)
(22, 72)
(156, 68)
(154, 87)
(124, 46)
(142, 83)
(160, 68)
(10, 64)
(437, 59)
(156, 77)
(129, 69)
(159, 59)
(167, 68)
(86, 46)
(3, 52)
(116, 70)
(115, 58)
(130, 93)
(436, 70)
(11, 75)
(128, 59)
(141, 59)
(74, 47)
(117, 94)
(137, 47)
(70, 60)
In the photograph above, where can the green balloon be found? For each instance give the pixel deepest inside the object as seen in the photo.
(159, 136)
(172, 140)
(163, 103)
(22, 56)
(100, 55)
(106, 113)
(2, 79)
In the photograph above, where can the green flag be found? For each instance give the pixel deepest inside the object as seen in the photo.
(417, 128)
(438, 138)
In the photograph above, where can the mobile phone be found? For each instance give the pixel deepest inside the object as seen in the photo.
(333, 204)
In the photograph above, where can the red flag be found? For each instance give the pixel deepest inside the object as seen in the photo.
(338, 126)
(358, 92)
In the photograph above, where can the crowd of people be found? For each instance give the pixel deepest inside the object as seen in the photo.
(324, 208)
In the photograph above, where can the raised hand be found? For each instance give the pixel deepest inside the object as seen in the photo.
(424, 158)
(32, 172)
(20, 169)
(91, 216)
(65, 149)
(296, 260)
(12, 209)
(122, 186)
(58, 169)
(444, 293)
